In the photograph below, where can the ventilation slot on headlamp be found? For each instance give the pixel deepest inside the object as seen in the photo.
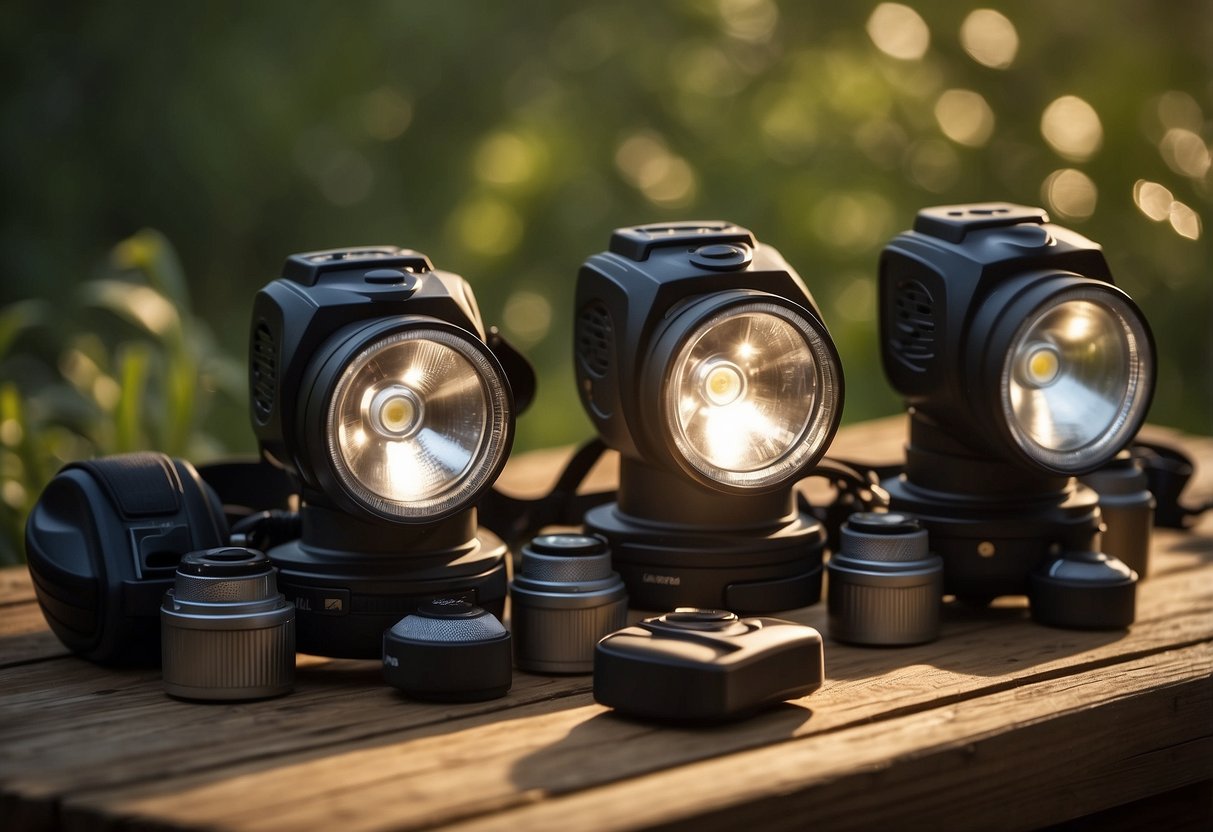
(595, 338)
(264, 367)
(914, 327)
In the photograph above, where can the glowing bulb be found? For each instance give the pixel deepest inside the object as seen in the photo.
(1041, 365)
(394, 412)
(722, 382)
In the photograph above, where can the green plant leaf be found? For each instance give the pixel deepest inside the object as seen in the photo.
(142, 306)
(134, 363)
(149, 252)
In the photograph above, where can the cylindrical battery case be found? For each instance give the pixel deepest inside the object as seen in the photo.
(563, 600)
(884, 585)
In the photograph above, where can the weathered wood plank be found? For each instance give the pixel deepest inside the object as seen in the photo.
(579, 747)
(1089, 741)
(15, 587)
(505, 764)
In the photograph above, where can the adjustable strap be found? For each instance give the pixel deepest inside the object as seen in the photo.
(141, 484)
(517, 369)
(513, 519)
(857, 488)
(1168, 470)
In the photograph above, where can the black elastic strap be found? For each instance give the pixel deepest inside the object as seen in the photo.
(249, 484)
(513, 519)
(141, 484)
(1168, 470)
(517, 369)
(857, 488)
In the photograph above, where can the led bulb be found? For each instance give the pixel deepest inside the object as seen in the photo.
(1075, 381)
(1040, 365)
(417, 423)
(723, 382)
(751, 395)
(394, 411)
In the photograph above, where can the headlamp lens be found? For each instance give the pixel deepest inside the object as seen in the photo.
(750, 395)
(1076, 380)
(417, 423)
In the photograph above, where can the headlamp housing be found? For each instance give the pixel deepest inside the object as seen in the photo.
(700, 350)
(375, 382)
(1022, 366)
(1010, 331)
(702, 358)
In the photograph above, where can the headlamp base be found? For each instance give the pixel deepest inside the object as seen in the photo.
(351, 580)
(666, 566)
(993, 547)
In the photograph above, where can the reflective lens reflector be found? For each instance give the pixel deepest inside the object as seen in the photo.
(750, 397)
(1077, 378)
(417, 423)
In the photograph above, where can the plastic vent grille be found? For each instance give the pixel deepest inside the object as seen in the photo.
(595, 338)
(264, 371)
(423, 628)
(914, 324)
(575, 569)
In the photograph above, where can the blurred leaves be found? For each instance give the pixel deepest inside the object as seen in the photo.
(143, 373)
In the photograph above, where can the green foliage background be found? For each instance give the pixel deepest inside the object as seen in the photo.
(505, 140)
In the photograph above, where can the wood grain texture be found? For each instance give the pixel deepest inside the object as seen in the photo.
(999, 724)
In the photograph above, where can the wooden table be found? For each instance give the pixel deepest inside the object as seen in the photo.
(999, 724)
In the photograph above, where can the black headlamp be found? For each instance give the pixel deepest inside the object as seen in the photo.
(702, 358)
(375, 383)
(1022, 365)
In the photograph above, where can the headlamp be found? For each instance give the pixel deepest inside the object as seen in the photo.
(1023, 365)
(418, 423)
(376, 385)
(702, 358)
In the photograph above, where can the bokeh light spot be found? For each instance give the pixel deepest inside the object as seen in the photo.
(11, 432)
(1153, 199)
(965, 117)
(989, 38)
(899, 31)
(506, 159)
(852, 220)
(386, 114)
(488, 226)
(749, 20)
(1185, 221)
(1185, 152)
(1070, 193)
(13, 493)
(664, 178)
(527, 316)
(1178, 109)
(706, 70)
(1072, 128)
